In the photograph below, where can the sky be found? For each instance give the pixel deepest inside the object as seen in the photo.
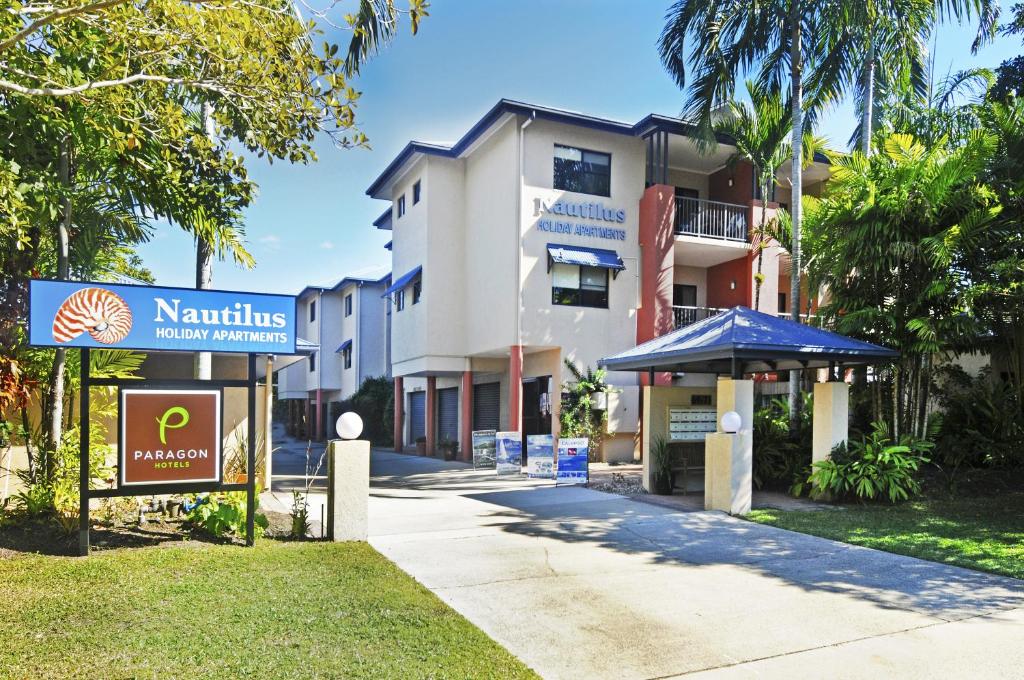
(312, 224)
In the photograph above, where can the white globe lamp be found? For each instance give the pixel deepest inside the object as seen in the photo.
(731, 422)
(349, 425)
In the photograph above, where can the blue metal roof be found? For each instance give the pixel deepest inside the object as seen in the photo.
(403, 282)
(588, 257)
(383, 221)
(343, 346)
(742, 340)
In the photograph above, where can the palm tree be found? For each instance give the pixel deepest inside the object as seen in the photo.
(759, 133)
(783, 41)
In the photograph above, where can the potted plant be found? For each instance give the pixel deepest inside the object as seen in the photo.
(661, 467)
(449, 448)
(421, 446)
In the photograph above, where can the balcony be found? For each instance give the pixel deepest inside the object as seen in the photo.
(684, 316)
(711, 219)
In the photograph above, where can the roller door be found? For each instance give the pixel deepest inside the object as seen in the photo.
(418, 414)
(486, 406)
(448, 414)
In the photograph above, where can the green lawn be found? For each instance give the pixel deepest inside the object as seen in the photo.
(199, 610)
(986, 534)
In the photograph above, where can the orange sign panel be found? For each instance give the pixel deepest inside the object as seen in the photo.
(170, 436)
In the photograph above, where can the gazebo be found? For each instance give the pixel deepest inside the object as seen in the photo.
(731, 345)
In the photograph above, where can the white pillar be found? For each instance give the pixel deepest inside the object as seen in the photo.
(729, 457)
(348, 489)
(831, 418)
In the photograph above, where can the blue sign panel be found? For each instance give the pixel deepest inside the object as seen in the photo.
(572, 466)
(510, 453)
(113, 316)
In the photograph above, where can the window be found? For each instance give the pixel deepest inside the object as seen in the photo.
(401, 205)
(585, 172)
(399, 300)
(312, 362)
(782, 302)
(417, 290)
(312, 311)
(416, 192)
(348, 305)
(579, 286)
(346, 355)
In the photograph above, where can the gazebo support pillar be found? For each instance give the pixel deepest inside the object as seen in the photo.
(729, 456)
(831, 418)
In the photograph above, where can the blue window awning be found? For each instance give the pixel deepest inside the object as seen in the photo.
(343, 346)
(387, 246)
(401, 283)
(586, 257)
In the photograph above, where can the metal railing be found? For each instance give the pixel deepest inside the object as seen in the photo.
(803, 317)
(684, 316)
(711, 219)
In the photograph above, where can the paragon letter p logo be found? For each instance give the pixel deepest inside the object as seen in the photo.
(165, 423)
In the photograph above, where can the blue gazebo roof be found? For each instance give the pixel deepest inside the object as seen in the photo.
(741, 340)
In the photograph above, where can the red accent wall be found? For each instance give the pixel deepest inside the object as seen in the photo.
(720, 277)
(431, 414)
(466, 431)
(515, 387)
(741, 192)
(657, 241)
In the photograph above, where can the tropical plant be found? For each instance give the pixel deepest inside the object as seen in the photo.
(299, 515)
(758, 131)
(877, 235)
(981, 424)
(224, 515)
(661, 466)
(371, 403)
(781, 457)
(873, 467)
(579, 416)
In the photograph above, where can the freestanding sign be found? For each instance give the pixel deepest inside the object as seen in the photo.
(113, 316)
(540, 456)
(510, 453)
(572, 464)
(484, 448)
(170, 436)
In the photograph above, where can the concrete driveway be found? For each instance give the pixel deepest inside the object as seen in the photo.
(582, 584)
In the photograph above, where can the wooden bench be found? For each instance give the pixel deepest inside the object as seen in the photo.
(686, 457)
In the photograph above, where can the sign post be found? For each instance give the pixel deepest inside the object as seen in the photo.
(170, 431)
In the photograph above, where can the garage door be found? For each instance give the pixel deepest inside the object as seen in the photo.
(486, 406)
(448, 414)
(418, 414)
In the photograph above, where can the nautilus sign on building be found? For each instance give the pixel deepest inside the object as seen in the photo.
(75, 314)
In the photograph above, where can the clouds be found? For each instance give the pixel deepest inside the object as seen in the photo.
(270, 242)
(327, 245)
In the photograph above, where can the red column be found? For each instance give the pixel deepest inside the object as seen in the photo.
(399, 415)
(657, 262)
(319, 416)
(466, 431)
(307, 425)
(515, 387)
(431, 415)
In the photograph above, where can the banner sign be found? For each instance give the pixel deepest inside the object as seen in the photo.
(510, 453)
(170, 436)
(540, 456)
(115, 316)
(572, 461)
(483, 449)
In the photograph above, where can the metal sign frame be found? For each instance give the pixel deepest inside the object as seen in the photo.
(85, 493)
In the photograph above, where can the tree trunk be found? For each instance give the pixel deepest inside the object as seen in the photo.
(868, 99)
(55, 416)
(760, 246)
(203, 362)
(796, 79)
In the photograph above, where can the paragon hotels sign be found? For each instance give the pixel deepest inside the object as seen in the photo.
(170, 436)
(102, 315)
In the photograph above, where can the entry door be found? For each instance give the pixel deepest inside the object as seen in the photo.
(536, 407)
(684, 295)
(687, 210)
(418, 415)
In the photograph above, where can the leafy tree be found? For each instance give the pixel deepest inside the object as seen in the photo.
(878, 233)
(578, 416)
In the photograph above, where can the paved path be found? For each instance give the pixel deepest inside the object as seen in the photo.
(582, 584)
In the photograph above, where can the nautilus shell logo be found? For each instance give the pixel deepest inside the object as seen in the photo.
(102, 314)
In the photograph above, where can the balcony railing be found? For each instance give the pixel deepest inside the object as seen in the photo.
(711, 219)
(684, 316)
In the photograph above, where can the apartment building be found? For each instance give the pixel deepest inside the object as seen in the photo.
(348, 325)
(545, 235)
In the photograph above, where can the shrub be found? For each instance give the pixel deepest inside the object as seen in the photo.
(661, 466)
(981, 422)
(781, 458)
(372, 402)
(872, 467)
(223, 515)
